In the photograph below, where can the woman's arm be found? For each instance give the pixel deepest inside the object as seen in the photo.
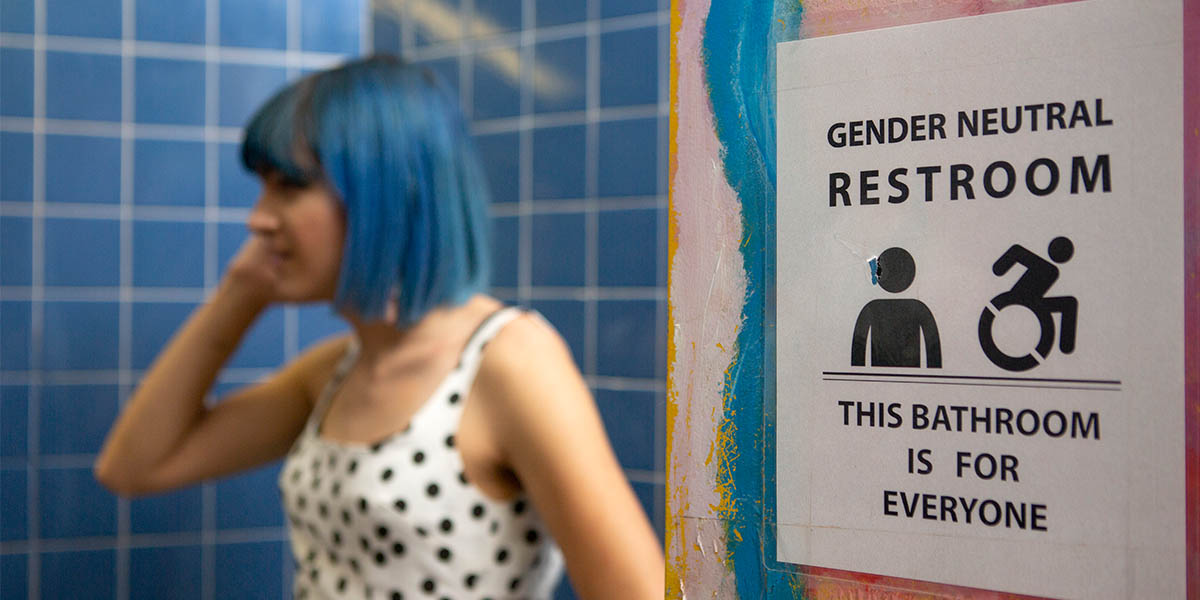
(552, 436)
(166, 437)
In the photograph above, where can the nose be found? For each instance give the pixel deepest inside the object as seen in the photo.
(262, 220)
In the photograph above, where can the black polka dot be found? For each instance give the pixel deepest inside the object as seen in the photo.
(443, 554)
(397, 596)
(531, 536)
(316, 464)
(323, 509)
(398, 549)
(537, 560)
(354, 565)
(316, 483)
(296, 475)
(312, 529)
(333, 557)
(301, 502)
(514, 584)
(386, 475)
(362, 505)
(502, 555)
(400, 504)
(519, 506)
(450, 441)
(313, 574)
(477, 511)
(380, 558)
(454, 398)
(366, 545)
(446, 525)
(432, 490)
(346, 517)
(353, 466)
(381, 531)
(495, 526)
(428, 586)
(470, 580)
(422, 532)
(462, 478)
(376, 446)
(419, 457)
(337, 538)
(312, 555)
(336, 489)
(341, 584)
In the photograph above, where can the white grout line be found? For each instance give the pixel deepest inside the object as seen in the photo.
(212, 39)
(36, 311)
(125, 305)
(591, 186)
(173, 51)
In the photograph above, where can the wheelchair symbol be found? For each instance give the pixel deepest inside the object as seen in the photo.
(1030, 292)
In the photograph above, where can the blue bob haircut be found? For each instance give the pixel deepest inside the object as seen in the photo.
(390, 141)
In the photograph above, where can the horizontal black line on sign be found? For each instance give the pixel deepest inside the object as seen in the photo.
(975, 377)
(971, 383)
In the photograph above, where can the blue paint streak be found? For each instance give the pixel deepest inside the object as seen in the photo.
(739, 55)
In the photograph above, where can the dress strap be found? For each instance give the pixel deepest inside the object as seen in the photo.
(472, 354)
(339, 373)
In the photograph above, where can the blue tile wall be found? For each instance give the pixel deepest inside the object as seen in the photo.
(629, 67)
(16, 267)
(496, 94)
(16, 166)
(559, 254)
(628, 158)
(83, 252)
(83, 169)
(620, 8)
(556, 12)
(16, 16)
(446, 70)
(498, 15)
(75, 418)
(172, 572)
(72, 504)
(169, 91)
(625, 345)
(165, 173)
(168, 254)
(114, 245)
(559, 163)
(565, 64)
(83, 86)
(84, 18)
(627, 253)
(567, 316)
(629, 418)
(500, 154)
(16, 87)
(505, 251)
(60, 575)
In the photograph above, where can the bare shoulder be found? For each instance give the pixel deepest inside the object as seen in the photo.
(315, 365)
(526, 362)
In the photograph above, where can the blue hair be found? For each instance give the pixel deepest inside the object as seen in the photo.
(389, 139)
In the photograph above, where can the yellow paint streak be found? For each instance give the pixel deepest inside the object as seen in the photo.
(675, 510)
(724, 451)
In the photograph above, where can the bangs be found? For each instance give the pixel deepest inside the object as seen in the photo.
(277, 137)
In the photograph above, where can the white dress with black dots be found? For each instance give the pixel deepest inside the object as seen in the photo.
(398, 519)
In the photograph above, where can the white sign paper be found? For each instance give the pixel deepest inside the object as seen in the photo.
(980, 301)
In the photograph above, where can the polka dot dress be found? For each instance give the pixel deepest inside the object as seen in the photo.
(399, 519)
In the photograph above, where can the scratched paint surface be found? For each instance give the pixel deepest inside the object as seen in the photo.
(720, 474)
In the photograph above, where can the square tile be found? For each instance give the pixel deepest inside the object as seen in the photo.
(433, 31)
(629, 420)
(59, 575)
(259, 24)
(74, 419)
(168, 173)
(72, 504)
(628, 158)
(652, 497)
(16, 16)
(500, 154)
(14, 519)
(318, 322)
(251, 571)
(251, 499)
(496, 86)
(16, 259)
(629, 67)
(83, 252)
(168, 254)
(230, 237)
(620, 8)
(567, 317)
(243, 88)
(236, 187)
(16, 165)
(506, 254)
(83, 169)
(385, 31)
(14, 421)
(626, 338)
(172, 572)
(84, 18)
(330, 25)
(628, 248)
(497, 16)
(169, 91)
(558, 250)
(263, 345)
(174, 512)
(16, 88)
(446, 71)
(560, 75)
(14, 344)
(14, 568)
(83, 86)
(558, 162)
(153, 324)
(79, 335)
(179, 21)
(559, 12)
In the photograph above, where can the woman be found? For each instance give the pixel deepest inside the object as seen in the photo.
(449, 446)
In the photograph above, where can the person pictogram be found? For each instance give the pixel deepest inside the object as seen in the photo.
(895, 326)
(1030, 292)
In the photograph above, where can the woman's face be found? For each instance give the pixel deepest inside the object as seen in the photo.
(303, 229)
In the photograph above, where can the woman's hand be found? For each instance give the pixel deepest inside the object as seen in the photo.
(253, 273)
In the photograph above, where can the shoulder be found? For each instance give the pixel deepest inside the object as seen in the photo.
(525, 365)
(314, 366)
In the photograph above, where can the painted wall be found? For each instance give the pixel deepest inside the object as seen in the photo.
(720, 428)
(121, 197)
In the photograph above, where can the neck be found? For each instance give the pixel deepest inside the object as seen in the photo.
(376, 337)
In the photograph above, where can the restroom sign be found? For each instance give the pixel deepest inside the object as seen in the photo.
(980, 299)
